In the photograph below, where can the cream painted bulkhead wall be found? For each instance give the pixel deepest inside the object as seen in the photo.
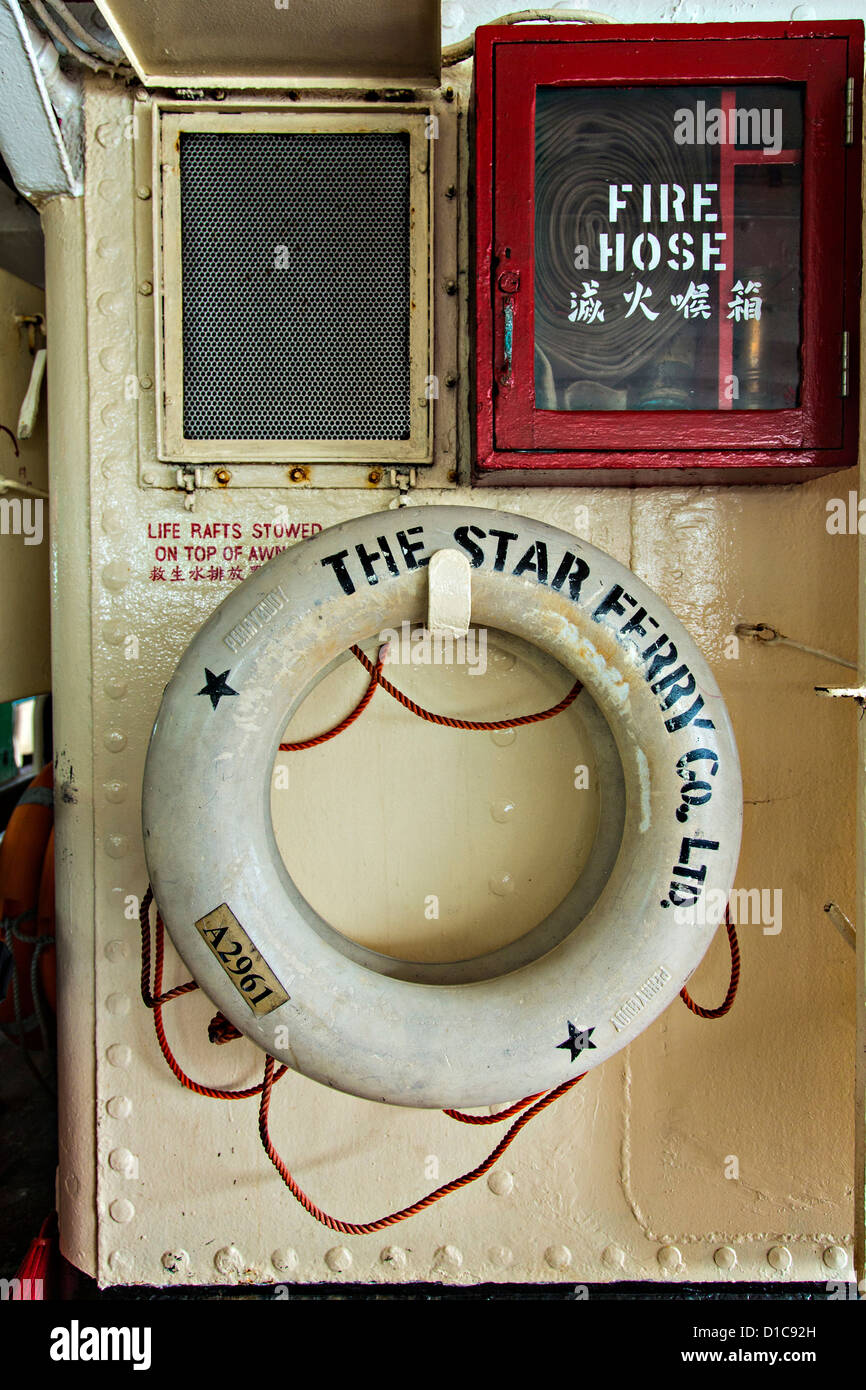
(632, 1176)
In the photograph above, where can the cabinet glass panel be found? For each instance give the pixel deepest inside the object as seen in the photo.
(667, 247)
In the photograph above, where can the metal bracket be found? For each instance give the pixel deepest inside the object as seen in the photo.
(764, 632)
(852, 692)
(404, 479)
(186, 481)
(842, 923)
(34, 323)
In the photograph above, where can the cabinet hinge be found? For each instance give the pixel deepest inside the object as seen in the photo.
(849, 111)
(845, 354)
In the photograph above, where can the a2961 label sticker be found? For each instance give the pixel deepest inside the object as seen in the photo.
(246, 967)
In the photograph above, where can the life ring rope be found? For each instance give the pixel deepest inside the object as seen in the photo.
(448, 722)
(365, 1228)
(221, 1030)
(154, 1000)
(731, 995)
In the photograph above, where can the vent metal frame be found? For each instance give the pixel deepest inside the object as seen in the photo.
(350, 118)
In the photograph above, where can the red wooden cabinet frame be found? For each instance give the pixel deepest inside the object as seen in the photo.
(517, 441)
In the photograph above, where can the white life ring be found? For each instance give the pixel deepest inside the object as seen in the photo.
(573, 990)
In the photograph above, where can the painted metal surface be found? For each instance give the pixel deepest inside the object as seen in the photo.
(702, 1150)
(42, 163)
(270, 42)
(513, 436)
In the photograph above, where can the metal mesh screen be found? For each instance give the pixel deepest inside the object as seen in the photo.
(295, 285)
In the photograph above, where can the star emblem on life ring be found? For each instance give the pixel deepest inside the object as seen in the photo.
(578, 1040)
(216, 687)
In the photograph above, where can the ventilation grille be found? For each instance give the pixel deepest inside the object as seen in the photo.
(295, 286)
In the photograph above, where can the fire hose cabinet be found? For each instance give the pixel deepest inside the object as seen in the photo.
(667, 252)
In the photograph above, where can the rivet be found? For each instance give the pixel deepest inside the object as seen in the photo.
(297, 475)
(503, 738)
(115, 740)
(116, 846)
(451, 191)
(223, 477)
(145, 382)
(112, 358)
(116, 575)
(451, 380)
(120, 1262)
(72, 1185)
(228, 1260)
(115, 690)
(113, 520)
(779, 1257)
(284, 1261)
(557, 1256)
(114, 633)
(116, 950)
(115, 792)
(339, 1259)
(500, 1256)
(502, 811)
(145, 287)
(835, 1257)
(118, 1005)
(140, 94)
(111, 415)
(447, 1258)
(500, 1182)
(110, 304)
(107, 250)
(150, 478)
(119, 1055)
(613, 1256)
(725, 1257)
(111, 466)
(394, 1256)
(108, 189)
(175, 1261)
(124, 1162)
(450, 286)
(143, 193)
(119, 1107)
(121, 1210)
(374, 476)
(502, 885)
(670, 1259)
